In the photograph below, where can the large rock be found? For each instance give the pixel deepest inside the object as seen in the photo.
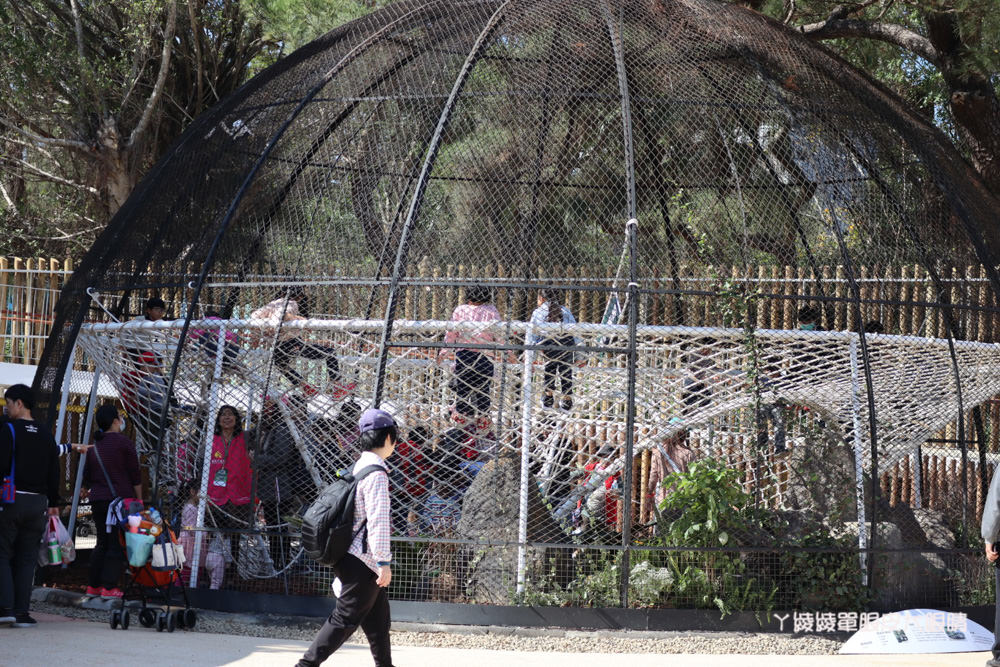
(490, 512)
(821, 479)
(906, 576)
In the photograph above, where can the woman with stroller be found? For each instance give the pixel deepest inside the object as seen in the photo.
(112, 471)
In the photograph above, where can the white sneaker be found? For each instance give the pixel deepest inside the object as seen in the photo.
(6, 618)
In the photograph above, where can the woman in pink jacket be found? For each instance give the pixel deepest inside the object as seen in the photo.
(229, 474)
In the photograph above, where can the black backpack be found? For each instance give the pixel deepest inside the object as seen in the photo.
(328, 524)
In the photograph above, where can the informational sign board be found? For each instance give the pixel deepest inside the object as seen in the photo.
(920, 631)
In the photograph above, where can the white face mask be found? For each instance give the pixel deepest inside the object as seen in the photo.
(121, 427)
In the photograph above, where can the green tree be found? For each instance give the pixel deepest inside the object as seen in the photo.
(942, 56)
(95, 93)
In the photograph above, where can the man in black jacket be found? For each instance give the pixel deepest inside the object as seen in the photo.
(36, 476)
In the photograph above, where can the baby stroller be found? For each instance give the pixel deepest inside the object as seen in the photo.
(155, 559)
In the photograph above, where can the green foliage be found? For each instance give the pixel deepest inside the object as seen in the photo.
(708, 508)
(921, 83)
(824, 580)
(974, 579)
(294, 23)
(84, 117)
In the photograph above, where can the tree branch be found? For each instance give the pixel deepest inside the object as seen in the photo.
(65, 235)
(884, 32)
(47, 141)
(50, 177)
(6, 198)
(31, 146)
(161, 79)
(200, 70)
(78, 29)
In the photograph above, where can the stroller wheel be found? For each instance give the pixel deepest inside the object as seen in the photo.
(147, 618)
(161, 622)
(190, 618)
(171, 622)
(126, 617)
(116, 616)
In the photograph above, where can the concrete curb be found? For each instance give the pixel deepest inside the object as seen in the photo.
(59, 597)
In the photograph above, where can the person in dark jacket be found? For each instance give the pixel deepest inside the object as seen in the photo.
(35, 456)
(283, 482)
(121, 468)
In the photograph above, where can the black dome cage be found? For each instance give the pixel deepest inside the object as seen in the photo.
(692, 182)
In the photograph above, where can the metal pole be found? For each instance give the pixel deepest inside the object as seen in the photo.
(633, 291)
(522, 515)
(859, 473)
(482, 41)
(213, 406)
(234, 204)
(64, 398)
(88, 426)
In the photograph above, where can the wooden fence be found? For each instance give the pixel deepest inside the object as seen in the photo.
(29, 289)
(898, 297)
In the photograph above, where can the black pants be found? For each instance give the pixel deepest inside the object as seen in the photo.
(21, 526)
(996, 618)
(558, 365)
(288, 349)
(473, 378)
(361, 602)
(107, 560)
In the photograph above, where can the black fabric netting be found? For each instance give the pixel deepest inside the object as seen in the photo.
(376, 179)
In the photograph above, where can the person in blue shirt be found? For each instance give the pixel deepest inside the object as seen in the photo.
(558, 363)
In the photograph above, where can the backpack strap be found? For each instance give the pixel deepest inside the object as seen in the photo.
(363, 528)
(13, 443)
(367, 470)
(107, 477)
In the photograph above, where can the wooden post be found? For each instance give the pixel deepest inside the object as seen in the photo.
(788, 320)
(20, 307)
(931, 314)
(932, 481)
(436, 293)
(907, 486)
(894, 486)
(5, 319)
(840, 289)
(906, 299)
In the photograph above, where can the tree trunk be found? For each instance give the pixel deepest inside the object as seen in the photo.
(972, 98)
(116, 178)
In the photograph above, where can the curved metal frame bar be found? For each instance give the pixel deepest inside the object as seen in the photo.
(348, 58)
(418, 194)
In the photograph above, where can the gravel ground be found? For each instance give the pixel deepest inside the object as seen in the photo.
(503, 639)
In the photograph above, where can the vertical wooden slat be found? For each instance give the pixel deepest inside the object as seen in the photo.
(790, 306)
(6, 342)
(21, 308)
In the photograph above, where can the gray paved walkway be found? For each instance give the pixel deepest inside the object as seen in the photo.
(62, 641)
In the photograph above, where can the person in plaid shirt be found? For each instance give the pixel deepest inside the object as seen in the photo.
(365, 572)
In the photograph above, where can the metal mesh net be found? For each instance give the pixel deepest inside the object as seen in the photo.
(672, 306)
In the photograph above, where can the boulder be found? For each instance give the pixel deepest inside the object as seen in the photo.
(490, 511)
(904, 576)
(821, 478)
